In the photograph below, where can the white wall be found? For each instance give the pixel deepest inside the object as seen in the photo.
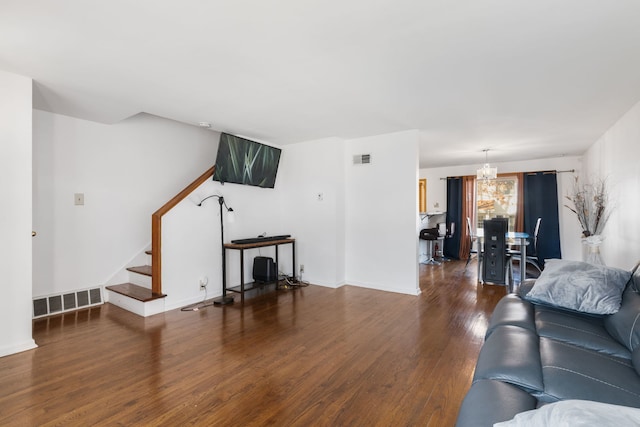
(381, 213)
(15, 213)
(312, 168)
(191, 246)
(614, 157)
(570, 240)
(362, 232)
(355, 198)
(126, 172)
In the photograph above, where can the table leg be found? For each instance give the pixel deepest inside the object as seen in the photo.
(224, 272)
(242, 276)
(479, 258)
(523, 260)
(224, 299)
(277, 266)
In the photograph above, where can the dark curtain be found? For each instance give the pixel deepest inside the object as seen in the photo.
(454, 215)
(541, 201)
(468, 211)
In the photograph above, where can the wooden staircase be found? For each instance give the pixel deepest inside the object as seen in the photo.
(145, 297)
(137, 296)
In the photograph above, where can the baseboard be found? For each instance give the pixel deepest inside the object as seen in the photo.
(406, 291)
(188, 301)
(326, 285)
(17, 348)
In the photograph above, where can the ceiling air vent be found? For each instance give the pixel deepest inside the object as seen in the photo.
(361, 159)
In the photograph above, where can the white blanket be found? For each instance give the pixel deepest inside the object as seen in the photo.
(576, 413)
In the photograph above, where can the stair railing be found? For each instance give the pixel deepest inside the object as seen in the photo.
(156, 229)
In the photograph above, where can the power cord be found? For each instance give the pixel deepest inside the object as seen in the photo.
(197, 306)
(289, 282)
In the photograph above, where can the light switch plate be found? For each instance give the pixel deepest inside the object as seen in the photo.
(78, 199)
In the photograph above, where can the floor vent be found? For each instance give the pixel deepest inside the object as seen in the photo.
(54, 304)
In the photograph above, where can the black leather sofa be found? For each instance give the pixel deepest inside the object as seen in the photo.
(537, 354)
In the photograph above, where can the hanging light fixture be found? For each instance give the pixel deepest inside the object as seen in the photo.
(487, 172)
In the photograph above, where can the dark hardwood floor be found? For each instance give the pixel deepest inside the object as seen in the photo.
(310, 356)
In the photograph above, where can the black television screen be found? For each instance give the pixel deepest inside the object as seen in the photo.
(242, 161)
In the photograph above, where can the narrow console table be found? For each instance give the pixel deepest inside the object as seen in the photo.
(241, 247)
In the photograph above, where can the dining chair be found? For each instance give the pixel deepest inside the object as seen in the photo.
(532, 255)
(478, 250)
(472, 239)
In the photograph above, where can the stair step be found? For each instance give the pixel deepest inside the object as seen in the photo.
(142, 269)
(136, 292)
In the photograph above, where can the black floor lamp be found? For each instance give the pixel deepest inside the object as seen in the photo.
(224, 299)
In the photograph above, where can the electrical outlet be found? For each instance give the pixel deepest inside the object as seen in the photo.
(301, 268)
(203, 282)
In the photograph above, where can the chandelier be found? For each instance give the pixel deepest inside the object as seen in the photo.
(487, 172)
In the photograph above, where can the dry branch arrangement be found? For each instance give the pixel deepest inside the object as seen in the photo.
(590, 204)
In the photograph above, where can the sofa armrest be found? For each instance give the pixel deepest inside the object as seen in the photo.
(512, 310)
(491, 401)
(511, 354)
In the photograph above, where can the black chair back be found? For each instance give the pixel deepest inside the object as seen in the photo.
(494, 264)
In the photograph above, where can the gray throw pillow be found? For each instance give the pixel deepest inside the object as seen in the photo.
(580, 286)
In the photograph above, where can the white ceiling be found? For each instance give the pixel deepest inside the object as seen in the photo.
(524, 78)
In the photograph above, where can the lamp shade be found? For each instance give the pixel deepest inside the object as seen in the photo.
(487, 172)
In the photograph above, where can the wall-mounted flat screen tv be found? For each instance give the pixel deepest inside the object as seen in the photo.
(242, 161)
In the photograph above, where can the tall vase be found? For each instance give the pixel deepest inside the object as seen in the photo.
(593, 244)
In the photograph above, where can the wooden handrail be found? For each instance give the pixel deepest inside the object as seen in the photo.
(156, 228)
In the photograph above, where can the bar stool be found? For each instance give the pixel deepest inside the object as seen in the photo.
(431, 236)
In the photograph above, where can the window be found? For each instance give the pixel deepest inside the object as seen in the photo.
(497, 198)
